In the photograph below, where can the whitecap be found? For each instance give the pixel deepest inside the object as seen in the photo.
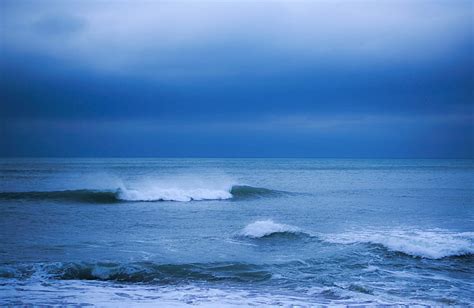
(432, 244)
(182, 188)
(173, 194)
(262, 228)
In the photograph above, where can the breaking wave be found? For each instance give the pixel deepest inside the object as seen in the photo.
(141, 272)
(424, 244)
(173, 194)
(433, 244)
(267, 228)
(180, 194)
(149, 194)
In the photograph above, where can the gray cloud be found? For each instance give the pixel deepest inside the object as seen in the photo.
(390, 78)
(172, 39)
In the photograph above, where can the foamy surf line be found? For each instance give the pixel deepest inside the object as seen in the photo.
(425, 244)
(144, 195)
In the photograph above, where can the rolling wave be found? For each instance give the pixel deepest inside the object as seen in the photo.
(268, 228)
(437, 244)
(142, 272)
(423, 244)
(80, 195)
(150, 195)
(245, 191)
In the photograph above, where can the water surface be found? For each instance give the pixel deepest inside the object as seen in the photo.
(236, 231)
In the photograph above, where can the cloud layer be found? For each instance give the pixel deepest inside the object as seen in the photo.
(312, 72)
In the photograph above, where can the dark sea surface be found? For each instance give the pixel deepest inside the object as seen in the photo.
(225, 232)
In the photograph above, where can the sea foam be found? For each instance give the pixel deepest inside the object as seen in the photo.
(158, 192)
(433, 244)
(263, 228)
(173, 194)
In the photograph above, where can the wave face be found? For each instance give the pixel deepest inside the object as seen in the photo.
(80, 195)
(424, 244)
(149, 194)
(267, 228)
(245, 191)
(142, 272)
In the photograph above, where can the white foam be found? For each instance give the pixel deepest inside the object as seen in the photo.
(104, 294)
(263, 228)
(177, 189)
(433, 244)
(173, 194)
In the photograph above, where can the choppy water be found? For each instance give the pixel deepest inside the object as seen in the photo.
(236, 231)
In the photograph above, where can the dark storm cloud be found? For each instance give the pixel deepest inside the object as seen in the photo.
(317, 74)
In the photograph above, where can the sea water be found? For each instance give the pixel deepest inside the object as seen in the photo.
(225, 232)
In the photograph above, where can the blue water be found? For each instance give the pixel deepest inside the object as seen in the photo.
(224, 232)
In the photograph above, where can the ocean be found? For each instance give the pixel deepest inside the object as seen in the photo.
(230, 232)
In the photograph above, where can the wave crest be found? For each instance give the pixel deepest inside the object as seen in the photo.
(173, 194)
(194, 194)
(266, 228)
(424, 244)
(148, 194)
(150, 272)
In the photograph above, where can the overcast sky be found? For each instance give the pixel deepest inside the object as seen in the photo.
(237, 78)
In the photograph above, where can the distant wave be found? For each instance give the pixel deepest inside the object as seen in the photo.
(180, 194)
(245, 191)
(267, 228)
(81, 195)
(173, 194)
(424, 244)
(149, 194)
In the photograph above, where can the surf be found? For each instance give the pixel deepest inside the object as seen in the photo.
(268, 228)
(140, 272)
(432, 244)
(147, 194)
